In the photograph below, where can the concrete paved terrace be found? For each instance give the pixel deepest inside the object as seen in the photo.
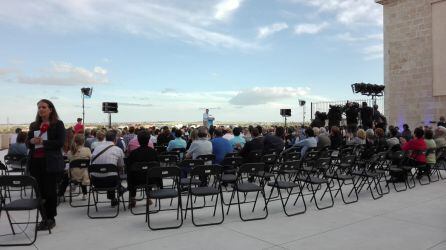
(414, 219)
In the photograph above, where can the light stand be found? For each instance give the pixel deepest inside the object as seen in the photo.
(85, 92)
(302, 104)
(368, 89)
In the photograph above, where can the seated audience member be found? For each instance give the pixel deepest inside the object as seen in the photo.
(255, 144)
(274, 141)
(335, 137)
(406, 134)
(359, 138)
(120, 141)
(307, 143)
(13, 138)
(393, 140)
(440, 137)
(200, 146)
(417, 146)
(134, 143)
(111, 155)
(19, 146)
(442, 122)
(90, 138)
(178, 142)
(228, 135)
(130, 135)
(100, 139)
(80, 175)
(140, 154)
(220, 146)
(165, 137)
(430, 143)
(323, 140)
(380, 141)
(238, 142)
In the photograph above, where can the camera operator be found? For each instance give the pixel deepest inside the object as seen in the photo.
(352, 113)
(366, 116)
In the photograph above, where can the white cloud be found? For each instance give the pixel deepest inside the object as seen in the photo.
(310, 28)
(61, 73)
(225, 8)
(264, 95)
(350, 12)
(373, 52)
(190, 22)
(350, 38)
(266, 31)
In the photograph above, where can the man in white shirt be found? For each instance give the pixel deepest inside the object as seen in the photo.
(108, 153)
(208, 120)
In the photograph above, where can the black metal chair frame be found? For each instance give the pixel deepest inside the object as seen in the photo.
(213, 174)
(281, 183)
(83, 164)
(20, 205)
(94, 191)
(342, 173)
(175, 192)
(245, 171)
(141, 168)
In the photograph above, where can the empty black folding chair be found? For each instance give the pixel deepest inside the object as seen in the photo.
(341, 173)
(282, 183)
(168, 160)
(34, 202)
(367, 176)
(208, 159)
(186, 166)
(16, 164)
(159, 194)
(440, 164)
(397, 174)
(213, 174)
(104, 178)
(245, 187)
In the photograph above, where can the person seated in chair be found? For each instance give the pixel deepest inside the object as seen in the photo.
(142, 154)
(255, 144)
(220, 146)
(19, 147)
(200, 146)
(80, 175)
(417, 145)
(108, 153)
(274, 141)
(306, 144)
(178, 142)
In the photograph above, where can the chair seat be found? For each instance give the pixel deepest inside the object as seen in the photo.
(228, 178)
(230, 171)
(365, 173)
(395, 169)
(163, 193)
(22, 204)
(291, 171)
(263, 174)
(407, 168)
(204, 191)
(339, 176)
(309, 169)
(282, 184)
(186, 181)
(312, 180)
(248, 187)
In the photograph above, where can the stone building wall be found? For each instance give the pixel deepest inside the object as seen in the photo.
(408, 63)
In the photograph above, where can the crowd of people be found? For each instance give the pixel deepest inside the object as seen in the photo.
(48, 141)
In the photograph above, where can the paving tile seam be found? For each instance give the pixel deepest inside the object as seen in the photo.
(249, 236)
(439, 243)
(158, 238)
(415, 223)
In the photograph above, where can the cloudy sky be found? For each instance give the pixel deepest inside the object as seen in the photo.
(167, 60)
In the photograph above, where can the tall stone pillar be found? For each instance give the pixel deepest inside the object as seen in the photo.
(414, 61)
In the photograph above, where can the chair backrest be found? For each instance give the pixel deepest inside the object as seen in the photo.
(251, 168)
(348, 160)
(294, 156)
(206, 171)
(289, 165)
(103, 171)
(142, 167)
(269, 159)
(398, 155)
(168, 158)
(311, 154)
(15, 160)
(188, 163)
(160, 149)
(206, 158)
(323, 163)
(80, 163)
(164, 172)
(255, 156)
(19, 181)
(232, 161)
(235, 154)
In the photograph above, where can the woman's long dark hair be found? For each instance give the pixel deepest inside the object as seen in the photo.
(54, 117)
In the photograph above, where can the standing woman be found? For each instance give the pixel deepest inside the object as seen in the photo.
(46, 139)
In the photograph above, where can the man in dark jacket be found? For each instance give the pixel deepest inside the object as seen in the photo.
(256, 144)
(274, 142)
